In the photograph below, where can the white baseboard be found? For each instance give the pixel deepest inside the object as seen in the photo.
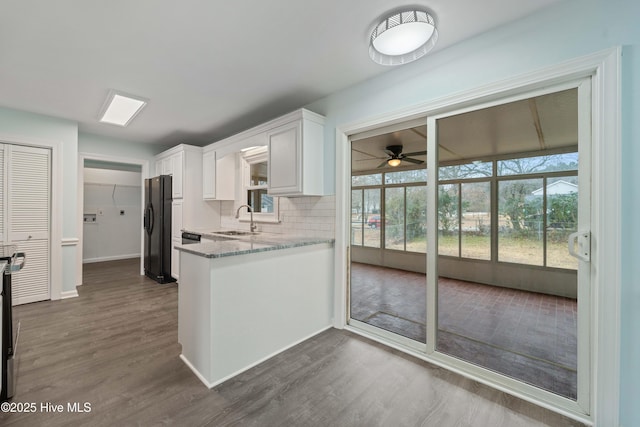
(196, 372)
(246, 368)
(69, 294)
(110, 258)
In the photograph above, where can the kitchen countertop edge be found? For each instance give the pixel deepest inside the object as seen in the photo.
(248, 244)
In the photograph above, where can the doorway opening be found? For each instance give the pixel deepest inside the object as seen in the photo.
(110, 204)
(111, 211)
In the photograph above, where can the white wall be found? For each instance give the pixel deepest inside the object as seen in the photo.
(112, 235)
(105, 146)
(564, 31)
(44, 130)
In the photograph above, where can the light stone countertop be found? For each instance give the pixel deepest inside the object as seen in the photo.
(217, 246)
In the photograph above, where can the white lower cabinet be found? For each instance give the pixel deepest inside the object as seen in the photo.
(176, 236)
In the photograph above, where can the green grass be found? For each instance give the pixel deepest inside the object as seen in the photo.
(511, 249)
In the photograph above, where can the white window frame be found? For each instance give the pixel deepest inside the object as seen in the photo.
(247, 158)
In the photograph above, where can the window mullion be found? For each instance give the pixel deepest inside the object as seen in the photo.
(544, 221)
(405, 218)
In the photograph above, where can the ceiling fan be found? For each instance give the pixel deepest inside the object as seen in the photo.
(396, 156)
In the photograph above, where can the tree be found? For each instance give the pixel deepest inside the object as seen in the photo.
(520, 207)
(416, 212)
(562, 210)
(394, 213)
(447, 207)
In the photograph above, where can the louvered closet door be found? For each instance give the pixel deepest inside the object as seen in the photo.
(28, 206)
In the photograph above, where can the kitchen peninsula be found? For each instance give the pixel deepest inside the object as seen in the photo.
(243, 300)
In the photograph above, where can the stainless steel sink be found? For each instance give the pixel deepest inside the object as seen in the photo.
(235, 233)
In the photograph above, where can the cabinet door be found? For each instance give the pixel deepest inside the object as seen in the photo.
(209, 175)
(176, 237)
(226, 172)
(175, 259)
(178, 169)
(28, 201)
(285, 157)
(176, 220)
(167, 166)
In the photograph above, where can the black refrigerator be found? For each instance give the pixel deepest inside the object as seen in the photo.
(157, 226)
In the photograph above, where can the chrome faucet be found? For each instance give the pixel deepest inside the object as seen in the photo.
(252, 226)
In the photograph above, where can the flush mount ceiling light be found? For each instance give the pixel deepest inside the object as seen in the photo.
(120, 109)
(402, 37)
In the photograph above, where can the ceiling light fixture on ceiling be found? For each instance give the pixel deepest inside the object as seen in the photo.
(394, 162)
(120, 109)
(402, 37)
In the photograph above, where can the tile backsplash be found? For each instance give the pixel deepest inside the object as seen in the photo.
(299, 216)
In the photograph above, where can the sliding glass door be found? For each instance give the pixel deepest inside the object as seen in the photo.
(388, 234)
(475, 251)
(510, 287)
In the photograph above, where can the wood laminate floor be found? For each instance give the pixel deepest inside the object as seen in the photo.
(115, 347)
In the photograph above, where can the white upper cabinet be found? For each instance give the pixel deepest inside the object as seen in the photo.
(184, 163)
(285, 159)
(209, 175)
(296, 156)
(218, 176)
(295, 167)
(177, 171)
(172, 163)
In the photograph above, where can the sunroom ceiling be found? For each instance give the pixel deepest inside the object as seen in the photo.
(546, 122)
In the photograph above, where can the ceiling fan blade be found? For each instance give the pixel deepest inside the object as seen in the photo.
(389, 152)
(368, 160)
(381, 165)
(417, 153)
(416, 161)
(365, 153)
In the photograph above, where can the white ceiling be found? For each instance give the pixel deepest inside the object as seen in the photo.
(209, 68)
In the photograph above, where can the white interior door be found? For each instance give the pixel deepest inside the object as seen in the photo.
(28, 216)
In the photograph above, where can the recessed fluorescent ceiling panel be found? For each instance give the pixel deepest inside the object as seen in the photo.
(121, 109)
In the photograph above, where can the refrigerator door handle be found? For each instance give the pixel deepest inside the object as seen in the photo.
(151, 219)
